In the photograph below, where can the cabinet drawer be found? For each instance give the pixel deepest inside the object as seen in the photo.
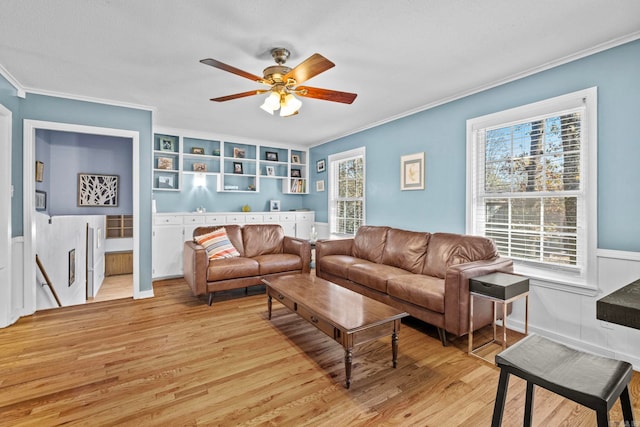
(319, 323)
(235, 219)
(193, 219)
(254, 219)
(283, 299)
(168, 219)
(271, 218)
(305, 216)
(214, 219)
(287, 217)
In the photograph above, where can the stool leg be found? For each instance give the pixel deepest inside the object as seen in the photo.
(501, 397)
(528, 408)
(602, 415)
(627, 410)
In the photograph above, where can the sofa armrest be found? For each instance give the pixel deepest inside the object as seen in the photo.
(300, 247)
(334, 247)
(195, 264)
(456, 291)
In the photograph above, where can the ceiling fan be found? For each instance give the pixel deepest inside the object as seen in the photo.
(284, 81)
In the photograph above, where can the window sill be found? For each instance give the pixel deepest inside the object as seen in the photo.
(557, 281)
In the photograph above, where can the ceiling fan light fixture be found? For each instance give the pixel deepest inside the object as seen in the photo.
(271, 103)
(289, 105)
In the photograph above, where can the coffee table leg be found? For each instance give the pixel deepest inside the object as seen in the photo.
(348, 358)
(394, 348)
(269, 305)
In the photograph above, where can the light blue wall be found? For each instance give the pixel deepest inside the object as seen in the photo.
(71, 153)
(441, 133)
(48, 108)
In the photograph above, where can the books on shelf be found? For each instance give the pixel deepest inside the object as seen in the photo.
(298, 185)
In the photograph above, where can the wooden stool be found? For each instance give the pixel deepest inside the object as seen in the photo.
(593, 381)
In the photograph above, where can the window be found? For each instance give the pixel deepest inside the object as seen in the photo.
(346, 191)
(532, 185)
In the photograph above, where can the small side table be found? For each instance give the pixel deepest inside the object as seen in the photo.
(500, 288)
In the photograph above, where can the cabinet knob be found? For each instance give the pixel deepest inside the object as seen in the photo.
(314, 319)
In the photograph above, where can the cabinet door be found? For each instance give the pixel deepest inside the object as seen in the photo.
(304, 222)
(167, 251)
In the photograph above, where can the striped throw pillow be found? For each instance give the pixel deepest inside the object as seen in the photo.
(217, 244)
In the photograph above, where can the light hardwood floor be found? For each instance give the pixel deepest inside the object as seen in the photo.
(172, 360)
(114, 287)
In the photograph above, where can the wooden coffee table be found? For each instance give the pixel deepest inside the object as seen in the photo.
(346, 316)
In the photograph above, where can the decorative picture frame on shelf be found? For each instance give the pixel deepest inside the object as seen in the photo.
(95, 190)
(165, 163)
(412, 172)
(320, 185)
(296, 173)
(271, 156)
(320, 166)
(199, 167)
(197, 150)
(41, 200)
(39, 171)
(274, 205)
(270, 170)
(167, 144)
(238, 153)
(237, 168)
(166, 181)
(295, 158)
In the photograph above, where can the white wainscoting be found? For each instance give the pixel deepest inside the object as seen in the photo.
(570, 317)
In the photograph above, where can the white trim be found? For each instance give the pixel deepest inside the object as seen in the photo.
(143, 294)
(29, 138)
(89, 99)
(615, 254)
(531, 71)
(336, 157)
(6, 283)
(13, 82)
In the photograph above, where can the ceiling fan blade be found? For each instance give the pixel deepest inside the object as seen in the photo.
(229, 68)
(326, 94)
(238, 95)
(310, 67)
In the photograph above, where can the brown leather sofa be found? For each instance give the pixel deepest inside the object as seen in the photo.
(264, 252)
(426, 275)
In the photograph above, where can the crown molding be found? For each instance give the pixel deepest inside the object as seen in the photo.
(20, 92)
(546, 66)
(43, 92)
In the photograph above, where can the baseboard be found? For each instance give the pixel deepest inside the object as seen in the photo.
(143, 294)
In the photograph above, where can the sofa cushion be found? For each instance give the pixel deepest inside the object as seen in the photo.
(368, 243)
(336, 265)
(234, 233)
(373, 275)
(261, 239)
(446, 249)
(232, 268)
(278, 263)
(217, 244)
(405, 249)
(425, 291)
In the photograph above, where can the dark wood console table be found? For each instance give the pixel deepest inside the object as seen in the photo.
(621, 307)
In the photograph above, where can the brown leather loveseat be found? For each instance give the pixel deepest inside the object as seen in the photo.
(426, 275)
(264, 252)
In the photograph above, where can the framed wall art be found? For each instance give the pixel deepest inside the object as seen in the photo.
(320, 166)
(320, 185)
(97, 190)
(412, 172)
(41, 200)
(167, 144)
(39, 171)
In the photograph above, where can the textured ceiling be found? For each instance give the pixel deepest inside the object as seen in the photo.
(398, 56)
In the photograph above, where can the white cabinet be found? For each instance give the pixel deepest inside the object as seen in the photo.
(171, 230)
(304, 222)
(167, 250)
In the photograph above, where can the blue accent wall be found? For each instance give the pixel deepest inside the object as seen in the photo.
(54, 109)
(441, 133)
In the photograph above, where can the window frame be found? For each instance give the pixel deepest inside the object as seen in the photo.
(579, 279)
(332, 161)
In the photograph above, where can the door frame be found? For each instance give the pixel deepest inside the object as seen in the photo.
(6, 284)
(29, 137)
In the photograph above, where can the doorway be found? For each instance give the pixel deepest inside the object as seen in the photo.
(30, 128)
